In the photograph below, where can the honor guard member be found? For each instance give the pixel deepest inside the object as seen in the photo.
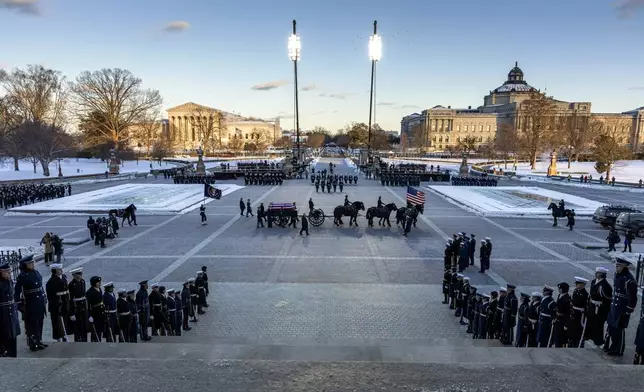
(30, 295)
(78, 315)
(498, 319)
(472, 248)
(457, 294)
(167, 329)
(9, 322)
(58, 302)
(491, 318)
(478, 301)
(311, 205)
(96, 308)
(639, 336)
(124, 316)
(563, 309)
(380, 203)
(202, 213)
(205, 281)
(452, 288)
(447, 259)
(346, 201)
(546, 313)
(133, 326)
(178, 314)
(471, 309)
(624, 302)
(578, 318)
(143, 309)
(446, 283)
(201, 293)
(601, 296)
(509, 318)
(111, 321)
(534, 313)
(483, 313)
(171, 309)
(186, 306)
(465, 299)
(156, 317)
(194, 299)
(522, 321)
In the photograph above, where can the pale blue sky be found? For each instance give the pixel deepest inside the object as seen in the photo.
(435, 52)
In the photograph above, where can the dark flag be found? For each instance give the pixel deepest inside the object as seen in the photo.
(211, 191)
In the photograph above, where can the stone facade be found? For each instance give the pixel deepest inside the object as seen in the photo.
(441, 127)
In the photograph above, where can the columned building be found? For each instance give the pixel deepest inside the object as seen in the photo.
(440, 128)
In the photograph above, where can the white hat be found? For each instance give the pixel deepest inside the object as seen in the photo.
(56, 267)
(200, 272)
(602, 270)
(486, 296)
(488, 238)
(459, 275)
(76, 271)
(170, 291)
(580, 280)
(503, 289)
(191, 280)
(537, 294)
(466, 278)
(122, 291)
(548, 288)
(108, 284)
(154, 285)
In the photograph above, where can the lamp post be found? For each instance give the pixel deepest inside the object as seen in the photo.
(375, 53)
(294, 47)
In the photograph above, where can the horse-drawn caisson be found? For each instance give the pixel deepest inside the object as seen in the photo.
(280, 214)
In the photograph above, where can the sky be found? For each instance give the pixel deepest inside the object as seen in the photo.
(232, 54)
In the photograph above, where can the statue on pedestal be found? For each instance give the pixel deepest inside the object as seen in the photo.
(114, 164)
(464, 169)
(552, 168)
(201, 166)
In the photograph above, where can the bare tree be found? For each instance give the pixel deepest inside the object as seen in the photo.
(578, 132)
(315, 140)
(161, 148)
(358, 134)
(284, 143)
(149, 131)
(261, 138)
(12, 142)
(468, 143)
(417, 137)
(210, 126)
(110, 102)
(453, 149)
(536, 120)
(507, 142)
(607, 151)
(44, 142)
(235, 143)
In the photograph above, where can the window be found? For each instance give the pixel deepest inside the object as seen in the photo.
(440, 139)
(447, 139)
(466, 128)
(480, 139)
(458, 127)
(246, 136)
(480, 128)
(488, 128)
(440, 146)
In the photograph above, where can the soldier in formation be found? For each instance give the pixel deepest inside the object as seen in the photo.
(400, 178)
(29, 294)
(9, 321)
(22, 194)
(194, 178)
(58, 302)
(274, 177)
(474, 181)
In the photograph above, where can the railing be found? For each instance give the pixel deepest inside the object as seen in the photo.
(13, 258)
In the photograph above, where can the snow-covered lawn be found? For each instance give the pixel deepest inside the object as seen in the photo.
(150, 199)
(74, 167)
(513, 201)
(626, 171)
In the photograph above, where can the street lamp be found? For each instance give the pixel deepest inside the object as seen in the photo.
(375, 54)
(294, 47)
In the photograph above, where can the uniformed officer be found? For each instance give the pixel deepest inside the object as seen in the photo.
(186, 305)
(133, 326)
(483, 315)
(171, 309)
(205, 282)
(447, 277)
(491, 316)
(534, 313)
(601, 296)
(124, 316)
(156, 317)
(546, 313)
(96, 308)
(563, 309)
(471, 309)
(111, 320)
(578, 319)
(522, 321)
(639, 335)
(201, 293)
(194, 299)
(465, 292)
(178, 305)
(30, 295)
(58, 298)
(78, 305)
(624, 302)
(9, 322)
(202, 213)
(509, 317)
(143, 309)
(498, 319)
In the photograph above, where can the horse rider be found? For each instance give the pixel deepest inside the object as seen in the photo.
(347, 203)
(380, 203)
(562, 205)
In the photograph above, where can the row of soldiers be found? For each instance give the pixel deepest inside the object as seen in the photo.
(193, 178)
(22, 194)
(98, 311)
(332, 181)
(404, 179)
(543, 321)
(460, 251)
(474, 181)
(272, 177)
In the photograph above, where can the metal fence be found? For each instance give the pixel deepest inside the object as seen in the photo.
(13, 259)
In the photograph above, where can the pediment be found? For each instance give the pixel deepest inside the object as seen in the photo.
(189, 107)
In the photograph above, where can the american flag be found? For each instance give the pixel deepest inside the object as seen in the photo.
(414, 196)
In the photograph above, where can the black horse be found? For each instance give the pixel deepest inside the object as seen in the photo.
(557, 212)
(126, 213)
(351, 211)
(383, 213)
(411, 217)
(401, 214)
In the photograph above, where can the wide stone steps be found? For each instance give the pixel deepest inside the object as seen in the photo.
(441, 354)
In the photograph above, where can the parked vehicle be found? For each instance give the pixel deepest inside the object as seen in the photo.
(607, 215)
(631, 220)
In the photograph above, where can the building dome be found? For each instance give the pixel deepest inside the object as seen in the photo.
(515, 82)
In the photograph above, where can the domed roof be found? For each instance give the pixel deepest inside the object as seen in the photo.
(515, 82)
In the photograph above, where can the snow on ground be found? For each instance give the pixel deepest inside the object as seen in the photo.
(350, 163)
(150, 199)
(218, 159)
(233, 162)
(625, 171)
(75, 167)
(24, 248)
(576, 184)
(513, 201)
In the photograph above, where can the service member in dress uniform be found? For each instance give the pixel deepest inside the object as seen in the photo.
(171, 309)
(58, 302)
(78, 316)
(30, 295)
(471, 309)
(534, 310)
(639, 338)
(205, 280)
(563, 309)
(178, 314)
(509, 318)
(452, 288)
(465, 292)
(522, 321)
(96, 309)
(194, 299)
(483, 315)
(111, 320)
(546, 313)
(601, 296)
(133, 326)
(9, 322)
(457, 292)
(124, 316)
(156, 315)
(143, 309)
(491, 318)
(624, 302)
(578, 319)
(201, 292)
(498, 319)
(478, 302)
(186, 305)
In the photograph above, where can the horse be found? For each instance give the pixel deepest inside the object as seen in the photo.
(351, 211)
(411, 217)
(402, 213)
(126, 213)
(557, 212)
(381, 212)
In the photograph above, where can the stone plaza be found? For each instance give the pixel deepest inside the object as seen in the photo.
(341, 294)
